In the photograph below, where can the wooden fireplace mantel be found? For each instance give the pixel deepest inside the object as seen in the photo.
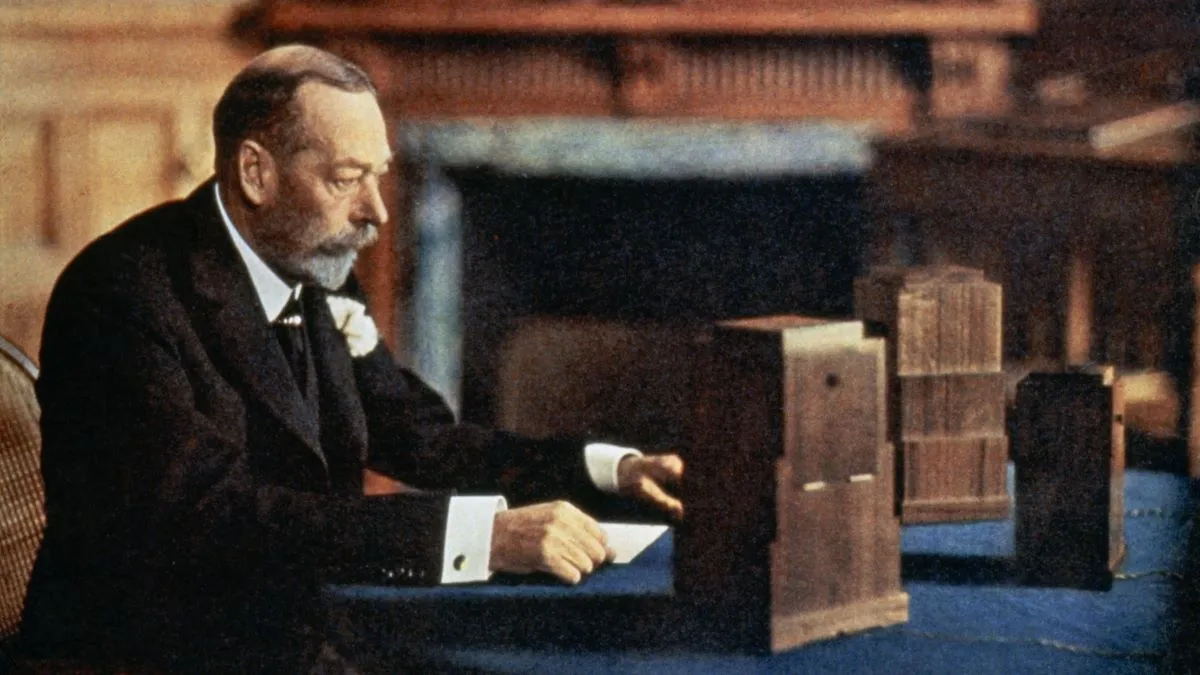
(889, 62)
(665, 17)
(888, 65)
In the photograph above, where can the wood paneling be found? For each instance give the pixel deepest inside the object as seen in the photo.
(105, 112)
(25, 166)
(110, 165)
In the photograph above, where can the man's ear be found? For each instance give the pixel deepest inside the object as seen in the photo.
(258, 176)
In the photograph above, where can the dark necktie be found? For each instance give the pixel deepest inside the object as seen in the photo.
(289, 329)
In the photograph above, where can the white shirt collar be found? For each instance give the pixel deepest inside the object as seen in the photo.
(273, 292)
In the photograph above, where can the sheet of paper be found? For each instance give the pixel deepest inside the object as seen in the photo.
(628, 540)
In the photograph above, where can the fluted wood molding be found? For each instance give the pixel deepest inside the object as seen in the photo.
(742, 19)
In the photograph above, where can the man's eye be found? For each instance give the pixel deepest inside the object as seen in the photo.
(344, 183)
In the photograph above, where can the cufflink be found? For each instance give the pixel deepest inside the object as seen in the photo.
(460, 561)
(291, 320)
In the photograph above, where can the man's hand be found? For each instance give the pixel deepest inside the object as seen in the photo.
(554, 537)
(647, 477)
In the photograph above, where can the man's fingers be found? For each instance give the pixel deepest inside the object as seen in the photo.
(564, 570)
(554, 537)
(578, 546)
(585, 532)
(585, 555)
(571, 559)
(645, 477)
(596, 550)
(592, 529)
(653, 492)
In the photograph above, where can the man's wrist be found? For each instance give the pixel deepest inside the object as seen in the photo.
(467, 547)
(602, 460)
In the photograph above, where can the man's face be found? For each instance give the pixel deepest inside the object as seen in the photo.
(328, 205)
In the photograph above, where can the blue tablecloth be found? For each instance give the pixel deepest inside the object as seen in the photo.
(967, 614)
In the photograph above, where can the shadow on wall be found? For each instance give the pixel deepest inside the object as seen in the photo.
(587, 292)
(606, 380)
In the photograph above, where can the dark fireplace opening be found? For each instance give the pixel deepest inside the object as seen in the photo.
(602, 282)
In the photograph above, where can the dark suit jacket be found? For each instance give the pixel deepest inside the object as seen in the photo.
(194, 507)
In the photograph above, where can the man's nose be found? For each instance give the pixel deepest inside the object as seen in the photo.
(371, 204)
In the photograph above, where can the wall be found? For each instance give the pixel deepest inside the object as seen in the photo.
(104, 111)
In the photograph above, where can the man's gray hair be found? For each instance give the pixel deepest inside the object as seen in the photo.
(258, 103)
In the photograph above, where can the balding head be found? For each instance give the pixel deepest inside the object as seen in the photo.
(259, 103)
(290, 59)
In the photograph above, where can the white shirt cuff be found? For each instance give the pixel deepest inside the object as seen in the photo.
(602, 460)
(468, 546)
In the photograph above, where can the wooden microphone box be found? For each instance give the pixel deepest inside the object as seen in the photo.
(791, 533)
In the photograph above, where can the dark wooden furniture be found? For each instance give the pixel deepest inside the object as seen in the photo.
(1069, 453)
(945, 388)
(791, 520)
(1091, 247)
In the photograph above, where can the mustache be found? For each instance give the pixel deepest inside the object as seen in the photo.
(358, 237)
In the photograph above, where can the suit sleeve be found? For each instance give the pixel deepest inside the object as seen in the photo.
(133, 467)
(415, 437)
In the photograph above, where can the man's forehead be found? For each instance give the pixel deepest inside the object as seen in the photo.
(338, 153)
(347, 126)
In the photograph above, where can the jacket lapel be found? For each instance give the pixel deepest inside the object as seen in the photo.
(231, 323)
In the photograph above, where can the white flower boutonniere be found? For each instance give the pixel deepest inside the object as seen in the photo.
(350, 316)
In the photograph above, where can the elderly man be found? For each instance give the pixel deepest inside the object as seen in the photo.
(213, 394)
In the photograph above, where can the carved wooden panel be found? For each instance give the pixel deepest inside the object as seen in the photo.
(856, 80)
(845, 79)
(492, 77)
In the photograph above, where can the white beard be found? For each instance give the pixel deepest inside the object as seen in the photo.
(327, 271)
